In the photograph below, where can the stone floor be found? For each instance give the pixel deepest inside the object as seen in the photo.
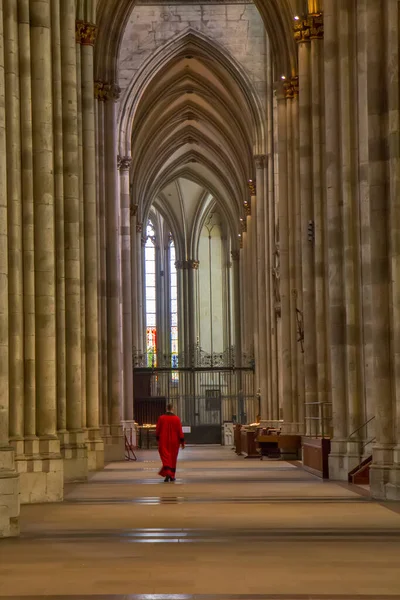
(229, 528)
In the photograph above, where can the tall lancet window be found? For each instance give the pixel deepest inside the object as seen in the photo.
(150, 291)
(174, 309)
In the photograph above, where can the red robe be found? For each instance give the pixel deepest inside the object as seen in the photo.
(169, 436)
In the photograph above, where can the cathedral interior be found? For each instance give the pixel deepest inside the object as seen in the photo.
(198, 206)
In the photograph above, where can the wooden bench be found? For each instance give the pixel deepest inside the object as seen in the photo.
(284, 446)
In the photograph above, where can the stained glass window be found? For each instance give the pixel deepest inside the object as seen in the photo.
(150, 291)
(174, 310)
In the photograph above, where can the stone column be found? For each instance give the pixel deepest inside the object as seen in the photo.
(86, 33)
(15, 254)
(272, 288)
(380, 268)
(284, 255)
(45, 283)
(236, 260)
(100, 97)
(59, 216)
(124, 167)
(261, 284)
(81, 225)
(9, 484)
(140, 289)
(133, 209)
(115, 450)
(250, 272)
(292, 157)
(25, 84)
(307, 221)
(392, 19)
(73, 443)
(297, 292)
(192, 268)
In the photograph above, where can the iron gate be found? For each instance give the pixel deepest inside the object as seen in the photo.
(206, 396)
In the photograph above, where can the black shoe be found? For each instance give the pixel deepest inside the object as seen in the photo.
(172, 479)
(167, 479)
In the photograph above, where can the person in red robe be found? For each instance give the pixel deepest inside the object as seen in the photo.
(169, 437)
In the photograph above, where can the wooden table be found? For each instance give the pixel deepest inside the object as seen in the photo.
(283, 446)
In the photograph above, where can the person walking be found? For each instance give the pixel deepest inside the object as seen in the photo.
(170, 436)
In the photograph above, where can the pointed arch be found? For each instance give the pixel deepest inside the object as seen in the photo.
(223, 64)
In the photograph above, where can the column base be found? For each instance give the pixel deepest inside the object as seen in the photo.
(345, 456)
(9, 494)
(75, 455)
(385, 473)
(95, 450)
(114, 443)
(40, 469)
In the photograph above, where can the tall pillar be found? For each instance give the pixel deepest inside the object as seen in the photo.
(297, 292)
(72, 443)
(284, 252)
(392, 19)
(100, 97)
(9, 484)
(192, 268)
(15, 254)
(307, 224)
(140, 289)
(59, 216)
(25, 83)
(134, 277)
(380, 266)
(124, 165)
(45, 282)
(236, 260)
(115, 449)
(261, 283)
(86, 34)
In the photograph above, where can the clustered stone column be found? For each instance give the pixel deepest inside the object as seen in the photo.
(124, 165)
(109, 271)
(49, 325)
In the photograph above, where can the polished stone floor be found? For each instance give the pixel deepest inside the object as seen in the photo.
(228, 529)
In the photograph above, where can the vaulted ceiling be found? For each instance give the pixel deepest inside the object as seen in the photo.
(192, 113)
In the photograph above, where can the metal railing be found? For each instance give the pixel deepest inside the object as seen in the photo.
(318, 419)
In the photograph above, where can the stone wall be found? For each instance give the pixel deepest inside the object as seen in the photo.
(238, 28)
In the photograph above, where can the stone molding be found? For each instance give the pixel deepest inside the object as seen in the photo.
(124, 163)
(309, 28)
(85, 33)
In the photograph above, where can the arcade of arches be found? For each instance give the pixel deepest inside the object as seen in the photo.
(175, 175)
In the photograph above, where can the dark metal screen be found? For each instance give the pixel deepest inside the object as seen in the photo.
(204, 395)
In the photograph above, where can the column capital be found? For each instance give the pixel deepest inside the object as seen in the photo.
(310, 27)
(193, 264)
(247, 205)
(252, 187)
(139, 227)
(104, 91)
(291, 88)
(124, 163)
(134, 209)
(243, 224)
(85, 33)
(261, 161)
(187, 264)
(235, 255)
